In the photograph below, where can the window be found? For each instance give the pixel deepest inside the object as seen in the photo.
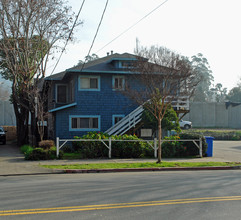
(127, 64)
(84, 123)
(116, 118)
(61, 93)
(118, 82)
(89, 83)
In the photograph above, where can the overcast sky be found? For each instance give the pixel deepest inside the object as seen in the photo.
(210, 27)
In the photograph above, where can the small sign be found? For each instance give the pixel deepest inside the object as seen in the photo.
(146, 132)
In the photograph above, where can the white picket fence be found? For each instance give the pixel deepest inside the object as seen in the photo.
(108, 142)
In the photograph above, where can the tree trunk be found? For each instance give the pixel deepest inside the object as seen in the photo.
(22, 124)
(159, 141)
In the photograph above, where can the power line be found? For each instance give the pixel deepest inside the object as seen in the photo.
(133, 25)
(95, 35)
(76, 19)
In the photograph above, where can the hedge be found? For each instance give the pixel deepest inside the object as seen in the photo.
(121, 149)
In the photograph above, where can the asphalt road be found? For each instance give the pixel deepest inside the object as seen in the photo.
(186, 195)
(12, 161)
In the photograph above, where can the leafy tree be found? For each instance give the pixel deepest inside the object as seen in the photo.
(220, 92)
(203, 71)
(163, 75)
(29, 33)
(169, 121)
(88, 59)
(234, 94)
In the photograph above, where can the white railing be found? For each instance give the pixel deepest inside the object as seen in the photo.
(179, 102)
(130, 121)
(108, 143)
(126, 123)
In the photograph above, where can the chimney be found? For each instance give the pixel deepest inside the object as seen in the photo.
(108, 53)
(111, 52)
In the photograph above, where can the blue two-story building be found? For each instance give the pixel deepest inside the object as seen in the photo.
(88, 98)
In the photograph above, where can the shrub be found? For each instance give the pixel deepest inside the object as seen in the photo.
(119, 149)
(148, 151)
(42, 154)
(52, 153)
(38, 154)
(171, 148)
(183, 148)
(192, 149)
(67, 149)
(91, 149)
(126, 149)
(46, 144)
(217, 134)
(26, 150)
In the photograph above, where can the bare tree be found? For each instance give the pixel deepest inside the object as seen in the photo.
(162, 76)
(29, 33)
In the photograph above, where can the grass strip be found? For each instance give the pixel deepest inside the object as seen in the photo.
(140, 165)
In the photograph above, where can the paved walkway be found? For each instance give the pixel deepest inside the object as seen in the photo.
(12, 161)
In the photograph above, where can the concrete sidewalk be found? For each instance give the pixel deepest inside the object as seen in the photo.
(12, 161)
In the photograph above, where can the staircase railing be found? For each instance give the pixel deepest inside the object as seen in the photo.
(130, 121)
(126, 123)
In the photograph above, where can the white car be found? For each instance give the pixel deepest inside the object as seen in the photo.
(185, 124)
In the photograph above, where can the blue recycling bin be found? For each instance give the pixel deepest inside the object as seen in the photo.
(209, 141)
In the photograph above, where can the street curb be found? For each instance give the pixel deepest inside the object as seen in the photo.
(34, 174)
(149, 169)
(73, 171)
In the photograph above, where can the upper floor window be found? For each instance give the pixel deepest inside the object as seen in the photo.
(61, 93)
(89, 83)
(127, 64)
(118, 82)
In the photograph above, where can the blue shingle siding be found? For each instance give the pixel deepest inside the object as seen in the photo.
(104, 103)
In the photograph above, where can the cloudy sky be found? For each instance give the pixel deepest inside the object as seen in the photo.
(210, 27)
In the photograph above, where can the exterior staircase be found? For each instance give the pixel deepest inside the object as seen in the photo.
(132, 119)
(126, 123)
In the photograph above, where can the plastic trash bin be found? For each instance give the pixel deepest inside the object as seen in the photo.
(209, 141)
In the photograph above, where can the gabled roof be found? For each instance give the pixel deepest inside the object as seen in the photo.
(101, 65)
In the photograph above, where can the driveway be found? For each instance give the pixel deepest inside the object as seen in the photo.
(12, 161)
(227, 151)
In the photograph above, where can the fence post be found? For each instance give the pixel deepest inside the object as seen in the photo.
(155, 151)
(109, 147)
(200, 147)
(57, 147)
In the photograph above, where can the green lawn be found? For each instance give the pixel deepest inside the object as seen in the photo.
(140, 165)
